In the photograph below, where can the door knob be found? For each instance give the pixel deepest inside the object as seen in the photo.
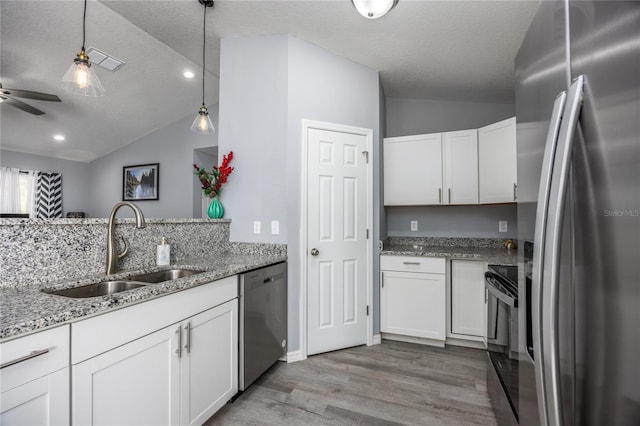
(314, 252)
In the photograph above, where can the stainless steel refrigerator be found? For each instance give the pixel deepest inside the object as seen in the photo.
(578, 136)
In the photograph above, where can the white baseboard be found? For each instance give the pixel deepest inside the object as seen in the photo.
(411, 339)
(466, 343)
(377, 339)
(295, 356)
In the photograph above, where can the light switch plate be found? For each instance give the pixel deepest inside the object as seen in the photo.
(275, 227)
(256, 227)
(502, 226)
(414, 225)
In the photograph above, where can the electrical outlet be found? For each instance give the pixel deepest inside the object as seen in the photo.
(502, 226)
(275, 227)
(414, 225)
(256, 226)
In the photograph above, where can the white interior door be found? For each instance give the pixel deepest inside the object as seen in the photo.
(337, 261)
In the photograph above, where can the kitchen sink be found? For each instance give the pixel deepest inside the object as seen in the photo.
(98, 289)
(167, 275)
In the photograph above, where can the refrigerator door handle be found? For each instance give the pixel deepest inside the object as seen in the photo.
(551, 277)
(539, 247)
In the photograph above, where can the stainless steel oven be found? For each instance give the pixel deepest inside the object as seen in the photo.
(502, 341)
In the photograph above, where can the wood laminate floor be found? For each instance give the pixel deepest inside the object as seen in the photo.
(394, 383)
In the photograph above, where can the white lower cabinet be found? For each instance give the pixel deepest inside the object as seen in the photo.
(209, 363)
(181, 374)
(172, 360)
(34, 379)
(137, 383)
(412, 297)
(467, 298)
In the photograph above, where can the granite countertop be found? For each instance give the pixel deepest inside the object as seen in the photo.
(496, 256)
(27, 309)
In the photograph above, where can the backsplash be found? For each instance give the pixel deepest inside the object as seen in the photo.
(445, 242)
(41, 251)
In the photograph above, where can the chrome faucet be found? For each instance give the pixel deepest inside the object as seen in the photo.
(112, 257)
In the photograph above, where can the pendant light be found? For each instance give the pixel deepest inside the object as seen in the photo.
(374, 9)
(202, 123)
(80, 78)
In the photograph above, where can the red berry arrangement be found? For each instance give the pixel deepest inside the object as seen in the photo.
(212, 181)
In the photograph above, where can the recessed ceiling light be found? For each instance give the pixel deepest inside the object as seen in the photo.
(59, 138)
(188, 74)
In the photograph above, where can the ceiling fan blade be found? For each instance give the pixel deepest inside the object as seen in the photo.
(21, 105)
(28, 94)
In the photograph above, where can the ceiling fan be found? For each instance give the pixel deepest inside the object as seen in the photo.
(7, 96)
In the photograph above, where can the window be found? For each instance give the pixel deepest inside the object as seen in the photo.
(17, 192)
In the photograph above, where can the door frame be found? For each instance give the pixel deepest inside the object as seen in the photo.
(368, 133)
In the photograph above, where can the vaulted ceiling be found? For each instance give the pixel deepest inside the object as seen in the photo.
(423, 49)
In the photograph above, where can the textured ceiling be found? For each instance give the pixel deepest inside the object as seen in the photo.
(423, 49)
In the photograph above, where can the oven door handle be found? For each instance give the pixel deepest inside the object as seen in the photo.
(490, 284)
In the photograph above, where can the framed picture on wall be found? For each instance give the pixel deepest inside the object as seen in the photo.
(140, 182)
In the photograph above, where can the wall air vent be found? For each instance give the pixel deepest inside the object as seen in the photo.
(105, 60)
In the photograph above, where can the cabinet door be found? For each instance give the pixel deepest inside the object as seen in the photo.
(461, 167)
(467, 298)
(209, 367)
(134, 384)
(413, 304)
(413, 170)
(498, 162)
(44, 401)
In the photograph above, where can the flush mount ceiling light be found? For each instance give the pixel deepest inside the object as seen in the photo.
(80, 78)
(374, 9)
(59, 138)
(188, 74)
(202, 123)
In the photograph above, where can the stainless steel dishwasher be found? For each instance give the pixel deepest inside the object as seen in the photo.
(263, 321)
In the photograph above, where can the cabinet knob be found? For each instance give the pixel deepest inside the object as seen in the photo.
(314, 252)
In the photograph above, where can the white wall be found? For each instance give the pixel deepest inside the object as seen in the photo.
(417, 116)
(453, 221)
(325, 87)
(75, 176)
(268, 85)
(253, 124)
(172, 147)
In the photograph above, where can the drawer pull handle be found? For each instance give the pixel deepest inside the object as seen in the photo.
(411, 263)
(33, 354)
(188, 345)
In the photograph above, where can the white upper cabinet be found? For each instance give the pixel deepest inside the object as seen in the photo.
(460, 159)
(497, 162)
(413, 170)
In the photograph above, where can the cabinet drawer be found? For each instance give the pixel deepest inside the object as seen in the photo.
(30, 357)
(431, 265)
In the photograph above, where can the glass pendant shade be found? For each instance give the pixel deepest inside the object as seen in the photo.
(202, 123)
(81, 79)
(373, 9)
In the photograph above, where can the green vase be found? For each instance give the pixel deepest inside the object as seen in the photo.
(215, 209)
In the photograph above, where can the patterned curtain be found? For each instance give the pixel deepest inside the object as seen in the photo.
(49, 195)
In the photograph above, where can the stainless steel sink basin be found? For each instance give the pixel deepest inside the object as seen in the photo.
(97, 289)
(160, 276)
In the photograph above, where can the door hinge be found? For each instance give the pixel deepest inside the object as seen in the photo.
(367, 233)
(367, 310)
(366, 156)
